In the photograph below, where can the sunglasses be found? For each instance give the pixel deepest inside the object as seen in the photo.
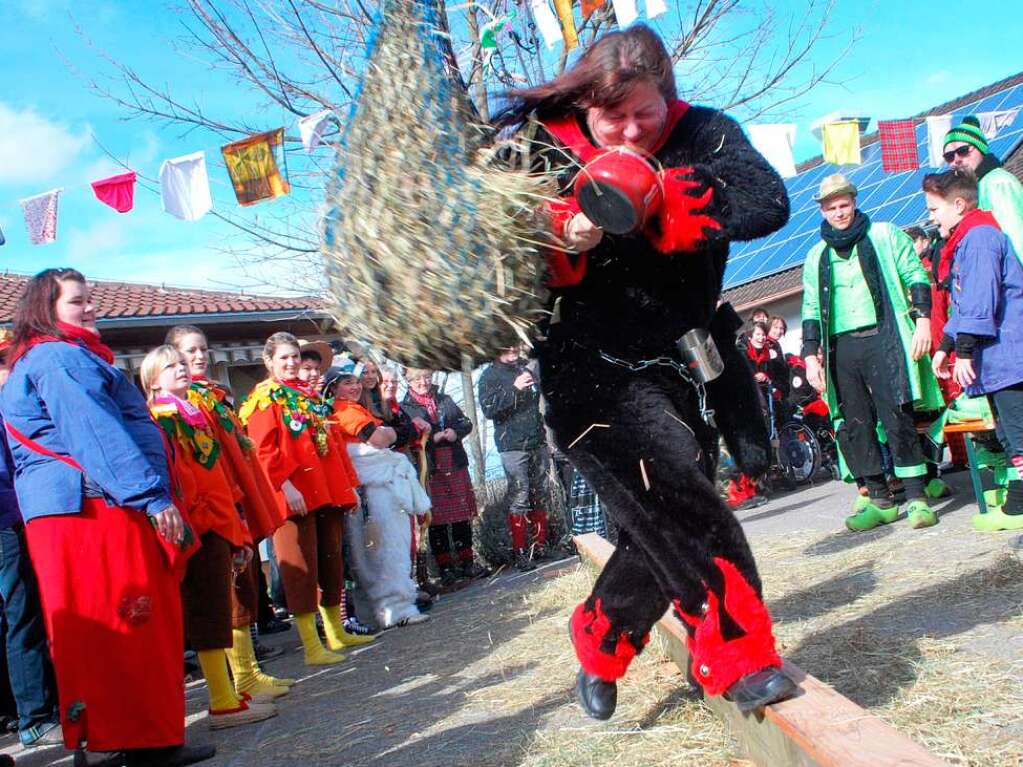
(962, 151)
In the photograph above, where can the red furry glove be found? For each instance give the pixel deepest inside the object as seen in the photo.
(679, 226)
(562, 269)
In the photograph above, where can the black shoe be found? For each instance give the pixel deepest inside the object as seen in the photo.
(760, 689)
(281, 613)
(448, 577)
(523, 562)
(174, 756)
(265, 652)
(542, 554)
(272, 626)
(597, 697)
(472, 571)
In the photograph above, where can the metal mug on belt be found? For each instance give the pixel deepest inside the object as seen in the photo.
(700, 355)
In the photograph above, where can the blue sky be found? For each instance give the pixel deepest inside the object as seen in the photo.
(912, 55)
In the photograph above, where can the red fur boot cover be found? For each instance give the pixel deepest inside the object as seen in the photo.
(719, 663)
(589, 632)
(679, 226)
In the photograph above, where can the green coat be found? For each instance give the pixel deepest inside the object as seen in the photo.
(1001, 193)
(899, 267)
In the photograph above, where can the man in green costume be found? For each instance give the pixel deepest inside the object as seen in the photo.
(999, 191)
(859, 284)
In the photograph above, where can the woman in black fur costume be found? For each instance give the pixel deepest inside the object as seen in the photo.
(623, 301)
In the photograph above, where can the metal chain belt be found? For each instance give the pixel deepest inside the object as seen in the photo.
(706, 413)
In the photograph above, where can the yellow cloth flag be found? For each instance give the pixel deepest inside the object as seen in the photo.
(842, 142)
(564, 8)
(252, 166)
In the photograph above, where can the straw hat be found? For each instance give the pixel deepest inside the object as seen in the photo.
(834, 185)
(320, 347)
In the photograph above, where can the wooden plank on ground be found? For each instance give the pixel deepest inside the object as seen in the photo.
(818, 728)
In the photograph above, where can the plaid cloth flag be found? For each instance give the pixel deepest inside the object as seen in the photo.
(898, 145)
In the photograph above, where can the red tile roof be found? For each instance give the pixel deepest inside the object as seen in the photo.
(767, 289)
(131, 299)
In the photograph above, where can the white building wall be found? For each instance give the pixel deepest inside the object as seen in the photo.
(789, 308)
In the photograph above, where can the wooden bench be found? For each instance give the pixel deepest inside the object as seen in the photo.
(968, 428)
(818, 728)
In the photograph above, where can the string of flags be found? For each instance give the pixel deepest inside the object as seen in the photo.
(560, 28)
(840, 141)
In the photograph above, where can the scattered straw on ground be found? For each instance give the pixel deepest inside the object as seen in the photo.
(919, 637)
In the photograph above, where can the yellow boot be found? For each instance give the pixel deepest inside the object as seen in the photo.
(227, 709)
(337, 637)
(315, 653)
(247, 676)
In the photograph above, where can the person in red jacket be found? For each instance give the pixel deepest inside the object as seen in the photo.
(300, 455)
(208, 496)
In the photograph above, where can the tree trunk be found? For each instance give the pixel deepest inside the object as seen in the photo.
(479, 469)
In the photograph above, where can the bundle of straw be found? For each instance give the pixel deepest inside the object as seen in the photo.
(431, 251)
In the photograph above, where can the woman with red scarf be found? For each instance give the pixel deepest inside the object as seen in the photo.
(208, 495)
(299, 455)
(450, 487)
(257, 503)
(106, 539)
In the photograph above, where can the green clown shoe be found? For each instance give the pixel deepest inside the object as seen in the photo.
(920, 514)
(994, 498)
(870, 515)
(938, 488)
(996, 520)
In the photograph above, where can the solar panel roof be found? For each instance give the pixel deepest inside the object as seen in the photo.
(891, 197)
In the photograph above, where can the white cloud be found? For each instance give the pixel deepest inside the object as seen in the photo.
(34, 149)
(940, 77)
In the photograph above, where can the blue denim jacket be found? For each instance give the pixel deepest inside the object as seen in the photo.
(72, 403)
(987, 302)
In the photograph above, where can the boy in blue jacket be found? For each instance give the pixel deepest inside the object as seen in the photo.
(985, 328)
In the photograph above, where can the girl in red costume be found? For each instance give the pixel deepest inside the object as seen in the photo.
(209, 496)
(300, 456)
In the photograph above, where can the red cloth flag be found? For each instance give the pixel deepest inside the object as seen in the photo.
(117, 191)
(589, 6)
(898, 145)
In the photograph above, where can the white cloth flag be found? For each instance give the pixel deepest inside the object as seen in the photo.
(993, 122)
(655, 8)
(311, 127)
(185, 187)
(625, 12)
(775, 142)
(548, 23)
(41, 216)
(937, 127)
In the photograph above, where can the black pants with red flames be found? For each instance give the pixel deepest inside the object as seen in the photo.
(651, 458)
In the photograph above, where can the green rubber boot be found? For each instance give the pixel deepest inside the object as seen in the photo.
(870, 515)
(920, 514)
(996, 519)
(994, 498)
(938, 488)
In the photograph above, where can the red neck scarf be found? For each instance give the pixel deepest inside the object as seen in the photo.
(69, 334)
(426, 400)
(758, 356)
(975, 217)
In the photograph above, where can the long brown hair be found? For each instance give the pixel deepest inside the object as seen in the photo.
(36, 313)
(602, 77)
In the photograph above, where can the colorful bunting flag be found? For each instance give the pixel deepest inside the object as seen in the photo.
(937, 127)
(117, 191)
(311, 128)
(589, 6)
(842, 142)
(490, 34)
(625, 12)
(185, 187)
(564, 8)
(41, 216)
(2, 238)
(898, 145)
(547, 22)
(252, 166)
(994, 122)
(655, 8)
(775, 142)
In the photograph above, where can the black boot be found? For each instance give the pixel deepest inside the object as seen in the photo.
(760, 689)
(597, 697)
(174, 756)
(523, 562)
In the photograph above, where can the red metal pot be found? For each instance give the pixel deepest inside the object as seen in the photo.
(619, 190)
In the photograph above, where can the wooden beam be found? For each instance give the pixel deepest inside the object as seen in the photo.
(818, 728)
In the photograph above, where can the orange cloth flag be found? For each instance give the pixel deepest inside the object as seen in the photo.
(252, 166)
(589, 6)
(564, 9)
